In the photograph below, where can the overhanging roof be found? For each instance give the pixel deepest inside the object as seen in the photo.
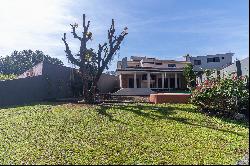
(153, 69)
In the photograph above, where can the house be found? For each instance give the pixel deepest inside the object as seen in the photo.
(211, 62)
(151, 73)
(238, 68)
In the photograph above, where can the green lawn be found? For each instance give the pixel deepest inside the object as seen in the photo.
(131, 134)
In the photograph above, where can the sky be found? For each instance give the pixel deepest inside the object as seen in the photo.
(164, 29)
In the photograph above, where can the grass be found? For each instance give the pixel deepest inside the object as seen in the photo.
(121, 134)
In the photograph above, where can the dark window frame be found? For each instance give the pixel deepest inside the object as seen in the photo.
(149, 62)
(144, 77)
(210, 60)
(215, 59)
(197, 62)
(171, 65)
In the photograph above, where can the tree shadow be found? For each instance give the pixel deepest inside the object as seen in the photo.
(102, 110)
(151, 111)
(51, 103)
(156, 112)
(148, 111)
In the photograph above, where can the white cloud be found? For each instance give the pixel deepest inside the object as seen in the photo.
(32, 24)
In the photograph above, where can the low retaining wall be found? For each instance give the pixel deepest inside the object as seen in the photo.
(169, 98)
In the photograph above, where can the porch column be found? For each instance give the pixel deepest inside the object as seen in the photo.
(135, 83)
(180, 82)
(120, 79)
(156, 81)
(148, 79)
(176, 83)
(162, 80)
(168, 81)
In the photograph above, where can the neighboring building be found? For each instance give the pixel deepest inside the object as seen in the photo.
(239, 68)
(151, 73)
(214, 62)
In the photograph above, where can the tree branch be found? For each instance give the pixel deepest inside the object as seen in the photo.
(74, 32)
(68, 52)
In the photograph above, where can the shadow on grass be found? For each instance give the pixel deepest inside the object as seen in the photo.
(102, 110)
(154, 112)
(164, 112)
(34, 104)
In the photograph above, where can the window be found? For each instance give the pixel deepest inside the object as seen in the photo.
(197, 62)
(215, 59)
(210, 60)
(153, 77)
(222, 57)
(171, 65)
(157, 63)
(149, 62)
(144, 77)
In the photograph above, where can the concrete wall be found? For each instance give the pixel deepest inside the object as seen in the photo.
(58, 81)
(54, 83)
(245, 66)
(228, 70)
(108, 83)
(22, 91)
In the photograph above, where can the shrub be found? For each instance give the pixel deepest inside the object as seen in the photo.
(226, 97)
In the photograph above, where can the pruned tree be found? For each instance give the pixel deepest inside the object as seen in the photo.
(92, 63)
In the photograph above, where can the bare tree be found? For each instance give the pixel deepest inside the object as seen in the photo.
(91, 63)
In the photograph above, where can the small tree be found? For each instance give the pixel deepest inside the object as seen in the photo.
(190, 76)
(91, 63)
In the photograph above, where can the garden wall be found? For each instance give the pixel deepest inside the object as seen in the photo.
(53, 82)
(22, 91)
(108, 83)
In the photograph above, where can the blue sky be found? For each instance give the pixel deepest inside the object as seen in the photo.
(165, 29)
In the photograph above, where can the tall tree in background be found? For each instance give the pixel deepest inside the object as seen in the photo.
(20, 61)
(91, 63)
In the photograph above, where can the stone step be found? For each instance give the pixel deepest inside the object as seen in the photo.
(134, 92)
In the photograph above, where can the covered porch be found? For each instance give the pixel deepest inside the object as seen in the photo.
(159, 81)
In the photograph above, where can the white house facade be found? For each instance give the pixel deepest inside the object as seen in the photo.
(151, 73)
(214, 62)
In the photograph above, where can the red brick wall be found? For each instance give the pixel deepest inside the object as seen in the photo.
(169, 98)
